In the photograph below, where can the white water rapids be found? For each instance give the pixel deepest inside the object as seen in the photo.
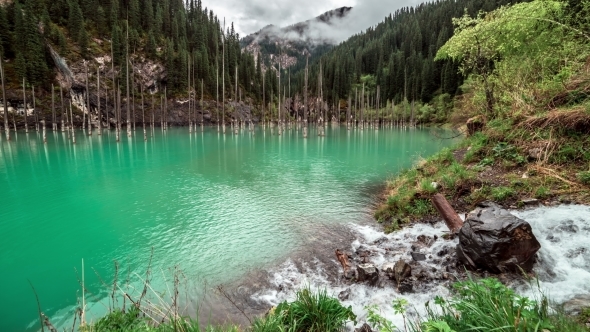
(563, 266)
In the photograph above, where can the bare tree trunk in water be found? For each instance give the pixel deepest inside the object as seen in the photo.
(348, 119)
(223, 79)
(279, 99)
(377, 106)
(165, 108)
(35, 113)
(98, 110)
(127, 81)
(143, 114)
(88, 101)
(305, 105)
(263, 101)
(153, 117)
(190, 123)
(72, 123)
(61, 96)
(118, 113)
(162, 112)
(53, 124)
(25, 107)
(217, 89)
(4, 102)
(132, 97)
(236, 124)
(202, 111)
(363, 107)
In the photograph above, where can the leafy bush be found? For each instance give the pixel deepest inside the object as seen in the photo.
(502, 193)
(584, 177)
(314, 312)
(488, 305)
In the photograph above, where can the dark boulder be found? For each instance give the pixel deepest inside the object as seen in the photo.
(495, 240)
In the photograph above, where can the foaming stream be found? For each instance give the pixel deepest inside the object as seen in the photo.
(563, 267)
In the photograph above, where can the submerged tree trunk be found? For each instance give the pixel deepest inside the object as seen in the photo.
(190, 122)
(143, 114)
(61, 96)
(53, 118)
(72, 123)
(35, 109)
(25, 107)
(4, 102)
(223, 79)
(98, 110)
(88, 101)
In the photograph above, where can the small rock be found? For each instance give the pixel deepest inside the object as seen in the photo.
(575, 305)
(401, 271)
(568, 227)
(434, 185)
(535, 153)
(418, 256)
(552, 238)
(349, 274)
(344, 295)
(525, 176)
(367, 272)
(426, 240)
(530, 201)
(388, 268)
(405, 287)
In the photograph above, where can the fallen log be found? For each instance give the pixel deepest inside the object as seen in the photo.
(452, 219)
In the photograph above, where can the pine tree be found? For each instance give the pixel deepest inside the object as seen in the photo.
(151, 47)
(147, 18)
(4, 33)
(134, 14)
(75, 20)
(83, 42)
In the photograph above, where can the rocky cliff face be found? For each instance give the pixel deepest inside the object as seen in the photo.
(71, 78)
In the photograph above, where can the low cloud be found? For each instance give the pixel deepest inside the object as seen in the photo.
(250, 16)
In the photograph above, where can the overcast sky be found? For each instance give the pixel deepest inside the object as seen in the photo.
(251, 15)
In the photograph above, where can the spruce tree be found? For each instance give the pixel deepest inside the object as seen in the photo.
(75, 20)
(83, 42)
(4, 33)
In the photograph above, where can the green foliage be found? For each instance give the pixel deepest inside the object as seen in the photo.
(502, 193)
(507, 151)
(488, 305)
(542, 192)
(314, 312)
(584, 177)
(118, 321)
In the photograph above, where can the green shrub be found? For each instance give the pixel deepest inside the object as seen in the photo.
(584, 177)
(502, 193)
(314, 312)
(488, 305)
(542, 192)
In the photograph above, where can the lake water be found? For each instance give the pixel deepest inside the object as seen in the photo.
(216, 205)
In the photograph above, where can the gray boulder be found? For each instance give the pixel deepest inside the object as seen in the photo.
(495, 240)
(367, 272)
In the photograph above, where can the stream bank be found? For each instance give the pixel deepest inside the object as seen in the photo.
(561, 269)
